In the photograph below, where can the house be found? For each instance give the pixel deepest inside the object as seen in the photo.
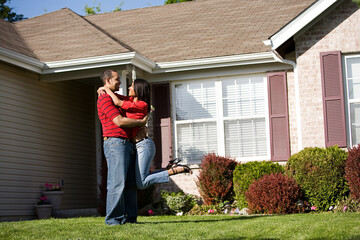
(253, 80)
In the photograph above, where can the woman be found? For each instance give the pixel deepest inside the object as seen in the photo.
(137, 107)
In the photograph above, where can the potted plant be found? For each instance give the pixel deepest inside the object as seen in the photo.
(43, 208)
(54, 194)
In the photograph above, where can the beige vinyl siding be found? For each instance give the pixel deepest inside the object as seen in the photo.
(47, 131)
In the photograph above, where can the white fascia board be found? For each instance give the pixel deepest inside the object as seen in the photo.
(98, 62)
(204, 63)
(299, 22)
(21, 60)
(143, 63)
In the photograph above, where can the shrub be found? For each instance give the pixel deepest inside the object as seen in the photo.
(178, 202)
(320, 174)
(246, 173)
(347, 205)
(215, 179)
(273, 194)
(352, 171)
(204, 210)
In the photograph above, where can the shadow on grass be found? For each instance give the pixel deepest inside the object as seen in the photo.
(237, 238)
(235, 218)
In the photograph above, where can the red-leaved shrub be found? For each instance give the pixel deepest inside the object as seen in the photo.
(215, 181)
(352, 171)
(273, 194)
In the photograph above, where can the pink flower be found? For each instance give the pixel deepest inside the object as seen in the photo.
(345, 208)
(313, 208)
(210, 211)
(150, 212)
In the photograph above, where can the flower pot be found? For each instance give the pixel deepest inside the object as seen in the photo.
(54, 198)
(43, 211)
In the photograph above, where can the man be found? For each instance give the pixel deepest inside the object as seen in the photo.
(121, 203)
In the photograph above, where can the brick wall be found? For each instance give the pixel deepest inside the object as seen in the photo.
(292, 113)
(338, 30)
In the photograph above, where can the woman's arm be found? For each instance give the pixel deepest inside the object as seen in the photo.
(115, 99)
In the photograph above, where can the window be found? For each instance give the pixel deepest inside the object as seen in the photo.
(352, 83)
(225, 116)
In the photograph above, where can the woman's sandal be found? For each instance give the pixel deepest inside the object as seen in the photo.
(173, 163)
(183, 169)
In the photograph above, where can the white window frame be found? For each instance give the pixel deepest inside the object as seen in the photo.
(220, 116)
(347, 100)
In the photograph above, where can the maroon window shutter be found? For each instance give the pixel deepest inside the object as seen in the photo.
(278, 116)
(162, 124)
(333, 99)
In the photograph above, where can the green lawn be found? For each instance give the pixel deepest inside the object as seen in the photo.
(295, 226)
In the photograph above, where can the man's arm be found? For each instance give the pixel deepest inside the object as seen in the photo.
(112, 112)
(121, 121)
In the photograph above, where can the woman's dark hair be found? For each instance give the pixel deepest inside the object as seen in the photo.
(142, 91)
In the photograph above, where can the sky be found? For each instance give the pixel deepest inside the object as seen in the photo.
(33, 8)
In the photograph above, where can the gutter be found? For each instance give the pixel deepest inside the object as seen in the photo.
(214, 62)
(100, 61)
(278, 58)
(21, 60)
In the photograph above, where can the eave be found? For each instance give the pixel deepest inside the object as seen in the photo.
(214, 62)
(21, 60)
(99, 62)
(298, 24)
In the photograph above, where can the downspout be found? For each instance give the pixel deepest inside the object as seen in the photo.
(278, 58)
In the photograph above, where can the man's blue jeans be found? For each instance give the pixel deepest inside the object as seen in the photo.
(121, 202)
(145, 154)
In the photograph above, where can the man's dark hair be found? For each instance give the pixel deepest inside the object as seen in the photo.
(106, 74)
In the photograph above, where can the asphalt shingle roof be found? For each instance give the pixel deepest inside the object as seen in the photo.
(173, 32)
(64, 35)
(12, 40)
(200, 29)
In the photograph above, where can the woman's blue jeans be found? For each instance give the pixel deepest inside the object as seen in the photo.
(121, 202)
(145, 154)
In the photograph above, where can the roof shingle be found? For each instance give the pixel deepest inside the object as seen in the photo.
(200, 29)
(10, 39)
(173, 32)
(64, 35)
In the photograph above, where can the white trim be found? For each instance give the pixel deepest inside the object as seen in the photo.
(98, 62)
(299, 22)
(267, 119)
(123, 85)
(219, 120)
(220, 117)
(173, 119)
(21, 60)
(214, 62)
(347, 100)
(134, 59)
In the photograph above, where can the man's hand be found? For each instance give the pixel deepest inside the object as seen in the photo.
(145, 120)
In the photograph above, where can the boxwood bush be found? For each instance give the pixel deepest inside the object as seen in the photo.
(321, 175)
(246, 173)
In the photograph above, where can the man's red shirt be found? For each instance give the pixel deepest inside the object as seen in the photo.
(107, 111)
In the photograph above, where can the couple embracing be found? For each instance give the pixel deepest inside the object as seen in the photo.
(128, 150)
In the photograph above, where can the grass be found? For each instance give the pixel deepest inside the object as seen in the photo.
(295, 226)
